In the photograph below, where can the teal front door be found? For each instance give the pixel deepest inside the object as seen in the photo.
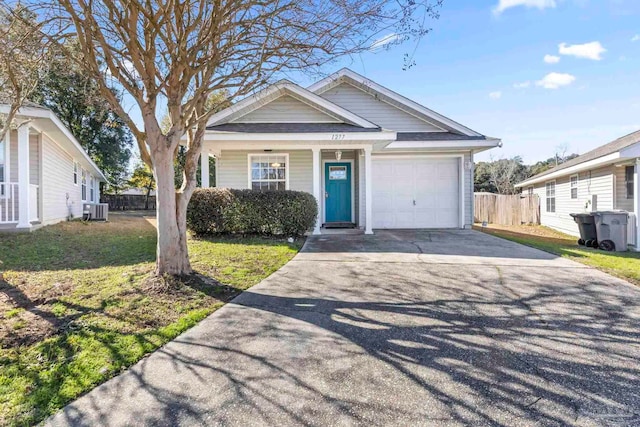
(337, 187)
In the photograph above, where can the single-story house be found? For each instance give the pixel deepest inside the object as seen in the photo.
(373, 159)
(602, 179)
(45, 175)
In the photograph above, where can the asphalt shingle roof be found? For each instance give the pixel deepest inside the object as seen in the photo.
(289, 128)
(603, 150)
(435, 136)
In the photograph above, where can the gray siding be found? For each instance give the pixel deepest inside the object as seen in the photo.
(286, 109)
(57, 183)
(597, 182)
(379, 112)
(233, 169)
(620, 197)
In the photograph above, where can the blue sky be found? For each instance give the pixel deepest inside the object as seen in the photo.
(486, 68)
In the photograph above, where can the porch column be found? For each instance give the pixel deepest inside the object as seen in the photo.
(636, 201)
(317, 186)
(204, 169)
(368, 194)
(24, 214)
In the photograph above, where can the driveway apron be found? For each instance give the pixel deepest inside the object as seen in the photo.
(402, 328)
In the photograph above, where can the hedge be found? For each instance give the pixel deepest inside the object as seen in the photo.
(227, 211)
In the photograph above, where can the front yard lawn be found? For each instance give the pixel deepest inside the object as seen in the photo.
(625, 265)
(75, 308)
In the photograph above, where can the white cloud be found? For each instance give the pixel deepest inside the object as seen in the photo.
(551, 59)
(508, 4)
(495, 95)
(556, 80)
(385, 41)
(635, 38)
(522, 85)
(592, 50)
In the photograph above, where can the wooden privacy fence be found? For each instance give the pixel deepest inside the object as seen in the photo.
(128, 202)
(506, 209)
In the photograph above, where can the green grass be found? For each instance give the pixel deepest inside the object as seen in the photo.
(78, 309)
(625, 265)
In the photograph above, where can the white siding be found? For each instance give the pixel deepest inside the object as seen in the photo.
(379, 112)
(598, 182)
(34, 162)
(233, 171)
(621, 201)
(286, 109)
(57, 183)
(468, 190)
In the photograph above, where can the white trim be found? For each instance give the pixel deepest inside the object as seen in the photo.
(253, 102)
(323, 85)
(317, 185)
(368, 191)
(353, 188)
(591, 164)
(636, 200)
(286, 167)
(76, 169)
(24, 187)
(577, 176)
(204, 169)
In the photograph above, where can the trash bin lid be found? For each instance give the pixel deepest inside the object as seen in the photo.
(581, 215)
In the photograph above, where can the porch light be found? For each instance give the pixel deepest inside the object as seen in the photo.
(338, 155)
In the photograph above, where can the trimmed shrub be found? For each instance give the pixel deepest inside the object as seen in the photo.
(227, 211)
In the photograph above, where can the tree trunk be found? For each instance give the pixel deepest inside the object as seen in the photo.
(173, 255)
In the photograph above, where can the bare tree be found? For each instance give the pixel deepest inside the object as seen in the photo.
(24, 52)
(505, 173)
(172, 55)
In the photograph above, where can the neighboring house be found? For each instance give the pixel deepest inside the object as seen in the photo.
(372, 158)
(45, 175)
(602, 179)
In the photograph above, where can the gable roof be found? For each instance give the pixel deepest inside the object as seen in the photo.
(361, 82)
(589, 158)
(282, 88)
(45, 120)
(289, 128)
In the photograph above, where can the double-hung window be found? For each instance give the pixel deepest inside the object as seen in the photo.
(75, 173)
(91, 189)
(84, 185)
(268, 171)
(574, 186)
(629, 173)
(551, 196)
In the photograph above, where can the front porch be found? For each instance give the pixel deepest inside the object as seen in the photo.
(20, 179)
(338, 176)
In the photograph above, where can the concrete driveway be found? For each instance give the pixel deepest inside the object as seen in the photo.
(401, 328)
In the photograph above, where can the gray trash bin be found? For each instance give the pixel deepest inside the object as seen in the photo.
(611, 228)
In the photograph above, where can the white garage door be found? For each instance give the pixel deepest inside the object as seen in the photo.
(416, 193)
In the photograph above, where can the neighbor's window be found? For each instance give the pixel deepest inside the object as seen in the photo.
(629, 173)
(551, 196)
(574, 186)
(268, 172)
(84, 185)
(75, 173)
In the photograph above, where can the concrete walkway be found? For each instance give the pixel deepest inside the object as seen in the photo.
(401, 328)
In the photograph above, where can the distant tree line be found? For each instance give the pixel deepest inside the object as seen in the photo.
(500, 176)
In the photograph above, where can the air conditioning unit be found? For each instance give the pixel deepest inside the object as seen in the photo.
(632, 229)
(95, 211)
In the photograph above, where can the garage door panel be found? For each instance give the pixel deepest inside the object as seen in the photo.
(416, 192)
